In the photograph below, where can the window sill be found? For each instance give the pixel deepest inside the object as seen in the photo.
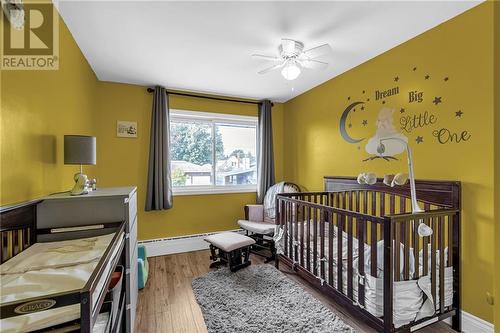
(212, 190)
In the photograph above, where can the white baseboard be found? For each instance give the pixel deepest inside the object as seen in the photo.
(171, 245)
(473, 324)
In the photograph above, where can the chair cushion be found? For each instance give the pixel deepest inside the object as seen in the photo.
(257, 227)
(229, 241)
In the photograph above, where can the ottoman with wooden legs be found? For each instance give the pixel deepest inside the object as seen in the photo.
(230, 248)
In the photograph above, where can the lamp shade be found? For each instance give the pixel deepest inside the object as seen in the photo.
(79, 149)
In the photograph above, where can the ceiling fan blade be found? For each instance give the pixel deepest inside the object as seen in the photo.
(269, 69)
(266, 57)
(317, 51)
(313, 64)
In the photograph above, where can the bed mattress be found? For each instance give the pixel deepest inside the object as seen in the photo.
(48, 268)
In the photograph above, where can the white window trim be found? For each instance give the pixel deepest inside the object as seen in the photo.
(213, 118)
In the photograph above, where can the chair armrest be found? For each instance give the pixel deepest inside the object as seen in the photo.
(254, 213)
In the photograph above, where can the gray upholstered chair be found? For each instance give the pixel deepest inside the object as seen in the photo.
(259, 220)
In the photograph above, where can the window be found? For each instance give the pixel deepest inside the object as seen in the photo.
(213, 153)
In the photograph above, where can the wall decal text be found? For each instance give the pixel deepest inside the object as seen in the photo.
(386, 93)
(444, 136)
(409, 123)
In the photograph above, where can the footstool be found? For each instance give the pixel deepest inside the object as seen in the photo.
(230, 248)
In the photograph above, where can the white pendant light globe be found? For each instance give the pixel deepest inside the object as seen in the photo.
(291, 71)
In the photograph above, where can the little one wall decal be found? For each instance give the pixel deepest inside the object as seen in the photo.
(421, 102)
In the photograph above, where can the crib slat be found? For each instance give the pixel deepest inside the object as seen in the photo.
(392, 204)
(373, 251)
(450, 241)
(382, 204)
(397, 252)
(406, 240)
(315, 242)
(433, 260)
(416, 243)
(441, 262)
(330, 247)
(303, 225)
(361, 261)
(349, 259)
(425, 252)
(322, 243)
(296, 229)
(308, 240)
(340, 228)
(285, 227)
(290, 234)
(373, 236)
(358, 195)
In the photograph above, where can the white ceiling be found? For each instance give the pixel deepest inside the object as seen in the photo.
(206, 46)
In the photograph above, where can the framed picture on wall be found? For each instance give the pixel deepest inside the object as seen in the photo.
(126, 129)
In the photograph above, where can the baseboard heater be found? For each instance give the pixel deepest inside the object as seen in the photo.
(178, 244)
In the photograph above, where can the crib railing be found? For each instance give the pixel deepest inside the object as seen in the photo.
(328, 234)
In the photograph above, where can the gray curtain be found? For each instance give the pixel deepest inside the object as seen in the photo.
(159, 190)
(265, 156)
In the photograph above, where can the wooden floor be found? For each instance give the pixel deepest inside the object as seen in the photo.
(167, 304)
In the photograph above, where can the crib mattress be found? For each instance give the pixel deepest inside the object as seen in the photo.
(412, 298)
(48, 268)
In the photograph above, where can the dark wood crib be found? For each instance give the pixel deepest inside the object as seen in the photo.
(338, 239)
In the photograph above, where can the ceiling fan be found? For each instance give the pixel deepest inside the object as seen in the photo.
(292, 58)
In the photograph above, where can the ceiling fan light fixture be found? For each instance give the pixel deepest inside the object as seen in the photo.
(291, 71)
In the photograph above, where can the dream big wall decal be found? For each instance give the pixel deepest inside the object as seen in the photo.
(406, 107)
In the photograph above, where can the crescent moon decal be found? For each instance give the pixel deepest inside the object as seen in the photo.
(343, 119)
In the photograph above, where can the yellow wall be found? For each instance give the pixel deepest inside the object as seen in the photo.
(37, 109)
(497, 162)
(123, 161)
(460, 49)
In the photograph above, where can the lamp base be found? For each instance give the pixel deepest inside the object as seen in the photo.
(80, 187)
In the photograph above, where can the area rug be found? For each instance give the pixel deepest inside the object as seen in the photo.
(261, 299)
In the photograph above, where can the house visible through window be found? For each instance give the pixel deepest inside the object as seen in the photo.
(213, 152)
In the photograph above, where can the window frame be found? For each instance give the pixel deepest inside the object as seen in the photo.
(177, 115)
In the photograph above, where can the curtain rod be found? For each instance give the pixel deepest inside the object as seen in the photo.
(150, 90)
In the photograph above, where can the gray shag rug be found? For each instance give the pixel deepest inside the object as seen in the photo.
(261, 299)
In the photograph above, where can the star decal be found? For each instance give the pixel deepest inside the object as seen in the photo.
(365, 122)
(459, 114)
(367, 99)
(402, 110)
(414, 68)
(383, 102)
(437, 100)
(362, 108)
(349, 98)
(427, 77)
(354, 110)
(350, 125)
(419, 139)
(363, 91)
(396, 79)
(446, 78)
